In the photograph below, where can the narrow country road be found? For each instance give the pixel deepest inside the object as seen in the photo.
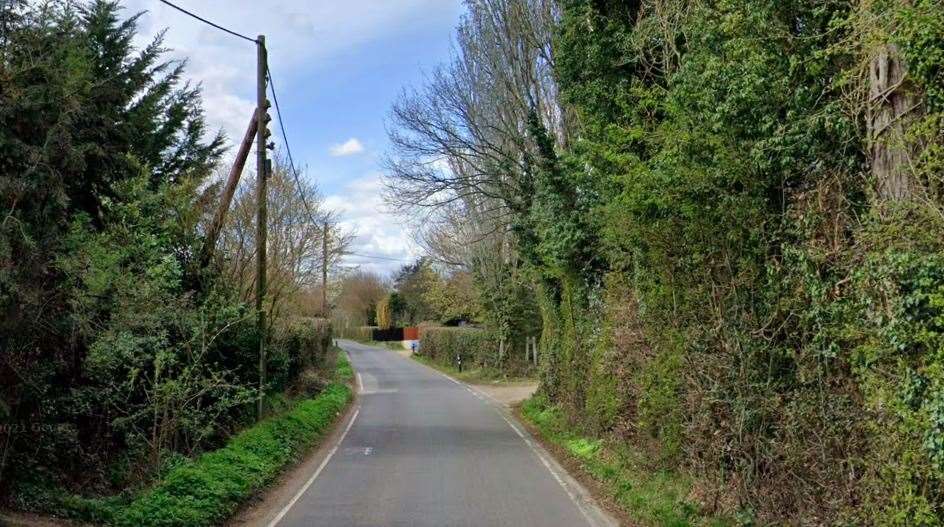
(425, 451)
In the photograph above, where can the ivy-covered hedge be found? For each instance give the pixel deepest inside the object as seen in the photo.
(726, 283)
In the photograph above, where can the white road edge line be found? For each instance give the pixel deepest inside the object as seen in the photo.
(547, 464)
(497, 406)
(360, 384)
(275, 521)
(544, 461)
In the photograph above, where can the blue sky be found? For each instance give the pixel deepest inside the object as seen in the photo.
(338, 67)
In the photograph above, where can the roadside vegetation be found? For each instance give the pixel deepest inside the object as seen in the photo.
(472, 355)
(208, 489)
(628, 477)
(476, 375)
(124, 360)
(445, 305)
(723, 219)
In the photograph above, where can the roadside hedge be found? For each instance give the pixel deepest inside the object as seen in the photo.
(207, 490)
(298, 344)
(476, 347)
(358, 333)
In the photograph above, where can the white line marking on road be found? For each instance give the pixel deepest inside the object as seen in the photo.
(275, 521)
(446, 375)
(499, 409)
(573, 497)
(380, 391)
(360, 383)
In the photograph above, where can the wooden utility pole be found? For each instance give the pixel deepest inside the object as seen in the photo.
(324, 271)
(213, 233)
(261, 212)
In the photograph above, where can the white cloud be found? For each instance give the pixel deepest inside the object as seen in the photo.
(300, 35)
(348, 148)
(379, 233)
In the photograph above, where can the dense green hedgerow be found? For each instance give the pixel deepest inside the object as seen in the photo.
(208, 489)
(476, 348)
(298, 344)
(731, 215)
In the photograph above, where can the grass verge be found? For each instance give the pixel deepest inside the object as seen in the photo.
(208, 489)
(645, 496)
(473, 375)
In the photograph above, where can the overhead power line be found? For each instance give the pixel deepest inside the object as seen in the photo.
(288, 148)
(278, 112)
(205, 21)
(298, 183)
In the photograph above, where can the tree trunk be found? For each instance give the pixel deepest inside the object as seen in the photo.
(892, 109)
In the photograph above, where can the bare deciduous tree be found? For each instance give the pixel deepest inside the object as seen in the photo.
(463, 137)
(359, 292)
(295, 236)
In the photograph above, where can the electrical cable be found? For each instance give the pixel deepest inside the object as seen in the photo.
(205, 21)
(291, 161)
(278, 112)
(379, 257)
(288, 148)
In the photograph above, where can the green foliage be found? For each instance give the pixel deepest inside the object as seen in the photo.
(477, 349)
(454, 298)
(118, 354)
(473, 347)
(208, 489)
(413, 283)
(649, 496)
(744, 310)
(385, 313)
(921, 27)
(358, 333)
(298, 344)
(153, 355)
(508, 302)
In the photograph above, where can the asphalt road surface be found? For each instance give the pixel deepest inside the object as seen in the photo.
(425, 451)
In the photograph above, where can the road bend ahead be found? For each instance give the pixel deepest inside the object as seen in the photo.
(425, 451)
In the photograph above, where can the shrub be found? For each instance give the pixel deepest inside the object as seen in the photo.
(623, 473)
(478, 348)
(208, 489)
(298, 344)
(360, 333)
